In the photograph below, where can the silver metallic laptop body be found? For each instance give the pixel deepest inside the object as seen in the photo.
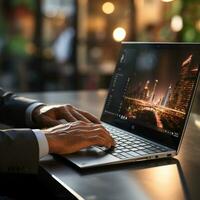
(148, 103)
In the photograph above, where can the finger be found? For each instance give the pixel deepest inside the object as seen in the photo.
(93, 141)
(86, 126)
(87, 132)
(89, 116)
(67, 116)
(97, 132)
(78, 116)
(106, 135)
(67, 127)
(85, 142)
(60, 128)
(99, 141)
(80, 125)
(63, 113)
(83, 128)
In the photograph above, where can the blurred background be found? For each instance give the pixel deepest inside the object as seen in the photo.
(48, 45)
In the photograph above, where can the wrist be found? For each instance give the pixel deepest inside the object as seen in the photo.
(42, 142)
(36, 112)
(50, 141)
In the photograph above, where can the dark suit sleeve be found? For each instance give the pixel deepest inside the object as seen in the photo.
(13, 109)
(19, 152)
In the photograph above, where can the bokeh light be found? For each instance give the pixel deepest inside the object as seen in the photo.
(198, 25)
(119, 34)
(108, 8)
(167, 0)
(176, 23)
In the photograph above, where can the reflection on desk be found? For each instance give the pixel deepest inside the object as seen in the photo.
(159, 179)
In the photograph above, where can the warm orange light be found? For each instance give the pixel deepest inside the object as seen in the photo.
(176, 23)
(198, 25)
(119, 34)
(166, 0)
(108, 8)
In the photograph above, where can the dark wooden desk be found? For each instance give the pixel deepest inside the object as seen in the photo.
(177, 178)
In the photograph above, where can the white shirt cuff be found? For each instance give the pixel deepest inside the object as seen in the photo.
(42, 142)
(29, 110)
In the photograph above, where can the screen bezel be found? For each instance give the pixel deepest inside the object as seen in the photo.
(139, 129)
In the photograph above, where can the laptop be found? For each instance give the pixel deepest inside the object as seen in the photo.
(148, 103)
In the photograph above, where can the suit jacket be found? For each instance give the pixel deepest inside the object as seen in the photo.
(19, 152)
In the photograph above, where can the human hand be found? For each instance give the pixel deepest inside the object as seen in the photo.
(74, 136)
(48, 116)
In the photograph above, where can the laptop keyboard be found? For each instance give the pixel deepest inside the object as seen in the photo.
(130, 146)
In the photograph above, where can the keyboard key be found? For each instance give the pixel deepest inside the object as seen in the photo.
(147, 151)
(118, 151)
(142, 144)
(124, 154)
(141, 153)
(141, 148)
(128, 142)
(114, 154)
(129, 156)
(150, 151)
(129, 146)
(121, 156)
(125, 150)
(152, 148)
(158, 151)
(123, 144)
(148, 146)
(132, 153)
(137, 142)
(133, 149)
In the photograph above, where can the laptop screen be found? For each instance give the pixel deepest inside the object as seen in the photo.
(152, 89)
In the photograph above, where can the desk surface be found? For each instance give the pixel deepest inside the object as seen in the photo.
(177, 178)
